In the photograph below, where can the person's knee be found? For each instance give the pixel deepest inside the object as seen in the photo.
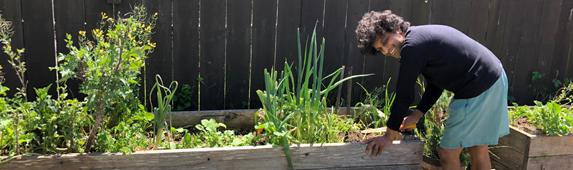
(480, 150)
(449, 154)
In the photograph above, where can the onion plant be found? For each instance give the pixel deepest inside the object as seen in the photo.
(163, 108)
(294, 104)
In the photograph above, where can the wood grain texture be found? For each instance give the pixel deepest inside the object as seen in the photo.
(546, 37)
(477, 26)
(551, 145)
(441, 12)
(561, 162)
(39, 42)
(355, 59)
(517, 140)
(420, 12)
(497, 165)
(238, 54)
(186, 45)
(69, 16)
(333, 32)
(507, 156)
(305, 156)
(11, 10)
(497, 15)
(563, 41)
(460, 14)
(264, 27)
(378, 64)
(511, 38)
(288, 23)
(212, 51)
(234, 119)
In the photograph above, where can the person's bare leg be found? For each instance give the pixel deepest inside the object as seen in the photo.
(450, 158)
(480, 157)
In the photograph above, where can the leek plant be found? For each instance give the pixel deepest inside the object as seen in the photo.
(294, 108)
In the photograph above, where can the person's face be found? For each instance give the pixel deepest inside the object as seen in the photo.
(390, 44)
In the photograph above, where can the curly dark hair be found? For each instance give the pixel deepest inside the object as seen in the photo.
(374, 23)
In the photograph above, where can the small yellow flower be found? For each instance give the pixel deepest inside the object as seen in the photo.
(148, 28)
(155, 14)
(83, 33)
(100, 51)
(569, 99)
(151, 44)
(142, 25)
(105, 44)
(1, 67)
(103, 15)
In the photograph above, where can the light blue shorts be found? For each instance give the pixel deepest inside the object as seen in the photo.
(481, 120)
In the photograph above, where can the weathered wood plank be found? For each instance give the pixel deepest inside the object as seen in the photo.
(551, 145)
(546, 36)
(498, 166)
(234, 119)
(186, 45)
(517, 139)
(238, 54)
(511, 38)
(11, 10)
(69, 19)
(264, 27)
(354, 59)
(39, 42)
(441, 12)
(213, 49)
(392, 66)
(312, 14)
(507, 156)
(385, 167)
(561, 162)
(478, 20)
(563, 41)
(288, 22)
(377, 64)
(496, 28)
(460, 14)
(334, 24)
(420, 12)
(524, 60)
(306, 156)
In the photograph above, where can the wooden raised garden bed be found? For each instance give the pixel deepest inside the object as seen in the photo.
(522, 150)
(403, 154)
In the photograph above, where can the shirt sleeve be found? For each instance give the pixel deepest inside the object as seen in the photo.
(411, 64)
(431, 95)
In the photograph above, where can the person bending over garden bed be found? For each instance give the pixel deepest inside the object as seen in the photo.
(448, 59)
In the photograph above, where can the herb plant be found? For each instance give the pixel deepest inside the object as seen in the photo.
(164, 106)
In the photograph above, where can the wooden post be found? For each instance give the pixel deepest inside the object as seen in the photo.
(339, 91)
(349, 92)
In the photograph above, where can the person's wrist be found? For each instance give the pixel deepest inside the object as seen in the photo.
(391, 134)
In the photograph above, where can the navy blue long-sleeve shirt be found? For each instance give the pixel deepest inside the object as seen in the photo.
(448, 59)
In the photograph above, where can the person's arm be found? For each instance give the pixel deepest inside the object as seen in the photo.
(430, 96)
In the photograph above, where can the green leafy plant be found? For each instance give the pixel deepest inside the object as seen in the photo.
(215, 138)
(164, 106)
(551, 118)
(183, 100)
(109, 64)
(372, 117)
(294, 107)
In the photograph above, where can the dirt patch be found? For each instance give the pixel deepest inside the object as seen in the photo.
(356, 136)
(525, 125)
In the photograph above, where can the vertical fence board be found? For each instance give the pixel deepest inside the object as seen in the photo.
(12, 11)
(186, 46)
(238, 53)
(355, 59)
(496, 28)
(161, 60)
(460, 14)
(402, 8)
(477, 26)
(93, 10)
(312, 14)
(69, 18)
(546, 38)
(377, 64)
(39, 43)
(212, 53)
(569, 34)
(563, 44)
(334, 20)
(524, 60)
(511, 41)
(420, 12)
(264, 22)
(288, 22)
(441, 12)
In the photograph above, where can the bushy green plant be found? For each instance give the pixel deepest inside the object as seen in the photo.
(183, 100)
(108, 65)
(372, 118)
(212, 137)
(551, 118)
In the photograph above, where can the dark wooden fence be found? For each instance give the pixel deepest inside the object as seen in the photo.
(222, 46)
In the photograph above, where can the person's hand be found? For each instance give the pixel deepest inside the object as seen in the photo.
(378, 143)
(411, 120)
